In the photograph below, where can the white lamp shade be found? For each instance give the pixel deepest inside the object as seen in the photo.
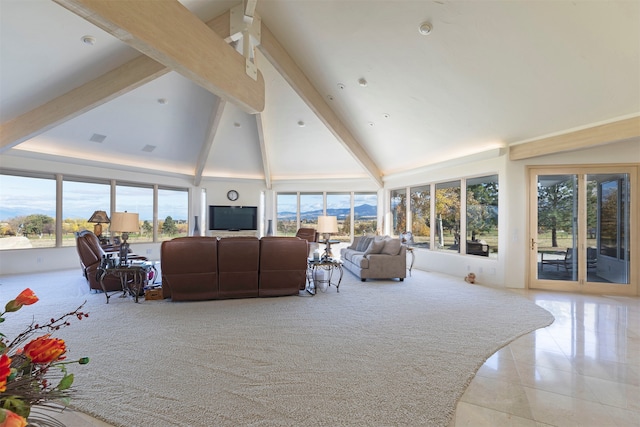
(125, 222)
(327, 224)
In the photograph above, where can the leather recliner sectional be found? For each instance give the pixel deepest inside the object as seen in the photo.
(205, 268)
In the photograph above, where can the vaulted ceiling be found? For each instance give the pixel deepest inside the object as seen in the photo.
(349, 89)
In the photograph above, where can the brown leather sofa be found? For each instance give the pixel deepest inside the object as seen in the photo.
(204, 268)
(91, 252)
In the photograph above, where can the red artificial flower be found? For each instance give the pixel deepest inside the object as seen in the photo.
(26, 297)
(11, 419)
(5, 371)
(44, 349)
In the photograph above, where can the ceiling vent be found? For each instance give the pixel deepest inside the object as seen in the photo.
(148, 148)
(96, 137)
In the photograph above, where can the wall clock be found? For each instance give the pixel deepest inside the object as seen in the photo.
(232, 195)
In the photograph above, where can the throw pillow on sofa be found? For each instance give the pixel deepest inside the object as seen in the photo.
(375, 247)
(363, 244)
(391, 247)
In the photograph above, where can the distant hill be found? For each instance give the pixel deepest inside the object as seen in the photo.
(361, 212)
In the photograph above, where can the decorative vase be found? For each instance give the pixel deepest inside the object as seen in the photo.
(270, 227)
(196, 227)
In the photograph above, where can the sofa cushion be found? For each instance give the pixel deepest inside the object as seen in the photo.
(391, 247)
(375, 247)
(363, 244)
(360, 260)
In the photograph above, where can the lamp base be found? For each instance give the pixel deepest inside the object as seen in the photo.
(124, 249)
(327, 254)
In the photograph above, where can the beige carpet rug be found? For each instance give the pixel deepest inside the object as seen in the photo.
(380, 353)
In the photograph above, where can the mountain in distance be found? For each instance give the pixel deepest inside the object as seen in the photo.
(361, 212)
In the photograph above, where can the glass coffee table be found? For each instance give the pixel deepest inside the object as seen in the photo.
(332, 266)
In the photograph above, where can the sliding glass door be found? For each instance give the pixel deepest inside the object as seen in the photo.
(581, 229)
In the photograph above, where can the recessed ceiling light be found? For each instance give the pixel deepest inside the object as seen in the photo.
(148, 148)
(301, 123)
(340, 86)
(330, 97)
(362, 82)
(372, 124)
(96, 137)
(425, 28)
(90, 40)
(386, 115)
(236, 124)
(163, 101)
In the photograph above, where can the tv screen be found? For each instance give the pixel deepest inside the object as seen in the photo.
(233, 218)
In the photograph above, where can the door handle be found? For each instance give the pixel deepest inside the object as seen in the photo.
(533, 244)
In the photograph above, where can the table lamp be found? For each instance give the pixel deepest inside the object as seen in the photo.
(98, 218)
(327, 225)
(124, 223)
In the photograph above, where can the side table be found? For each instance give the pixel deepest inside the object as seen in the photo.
(133, 277)
(332, 266)
(413, 258)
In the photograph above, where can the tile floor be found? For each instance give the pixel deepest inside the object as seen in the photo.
(583, 370)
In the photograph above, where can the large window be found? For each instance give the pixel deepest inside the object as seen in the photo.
(339, 205)
(482, 215)
(311, 205)
(421, 215)
(287, 214)
(27, 212)
(398, 205)
(28, 208)
(79, 201)
(137, 199)
(310, 209)
(448, 216)
(365, 212)
(172, 215)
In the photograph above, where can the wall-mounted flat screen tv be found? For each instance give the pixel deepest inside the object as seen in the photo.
(233, 218)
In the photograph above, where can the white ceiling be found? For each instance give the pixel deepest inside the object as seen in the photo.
(491, 73)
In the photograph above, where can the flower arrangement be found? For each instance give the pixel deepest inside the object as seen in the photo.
(34, 373)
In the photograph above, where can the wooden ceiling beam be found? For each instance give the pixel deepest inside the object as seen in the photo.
(585, 138)
(266, 166)
(214, 124)
(286, 66)
(199, 54)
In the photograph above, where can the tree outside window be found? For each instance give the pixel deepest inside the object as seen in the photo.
(420, 215)
(398, 205)
(482, 213)
(448, 216)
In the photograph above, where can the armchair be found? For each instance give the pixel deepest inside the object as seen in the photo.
(90, 253)
(311, 236)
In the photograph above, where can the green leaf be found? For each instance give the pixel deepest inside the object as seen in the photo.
(65, 382)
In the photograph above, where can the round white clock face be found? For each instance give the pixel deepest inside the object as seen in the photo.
(232, 195)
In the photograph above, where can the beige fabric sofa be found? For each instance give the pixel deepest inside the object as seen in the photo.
(375, 257)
